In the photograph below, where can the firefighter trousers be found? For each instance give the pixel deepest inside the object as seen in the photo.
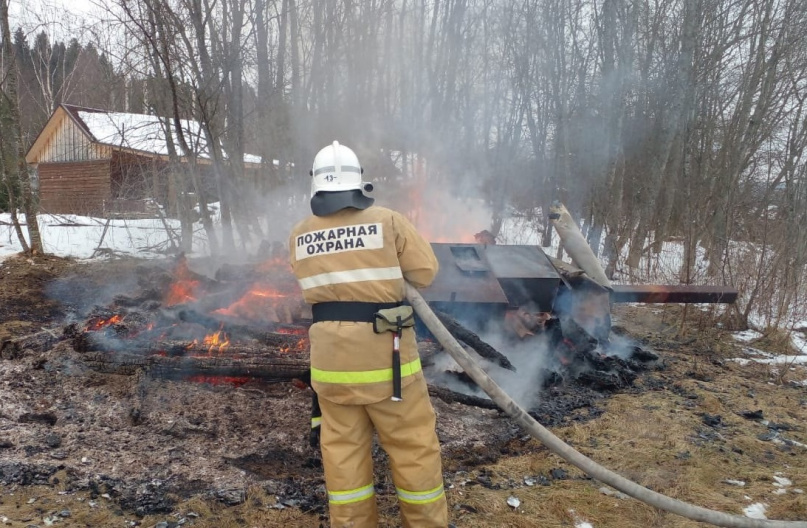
(406, 431)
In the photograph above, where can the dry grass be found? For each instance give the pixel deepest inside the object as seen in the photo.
(655, 436)
(38, 505)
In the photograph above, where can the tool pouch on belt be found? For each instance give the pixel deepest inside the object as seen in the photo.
(387, 320)
(394, 320)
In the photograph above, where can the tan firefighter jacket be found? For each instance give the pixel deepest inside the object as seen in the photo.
(359, 255)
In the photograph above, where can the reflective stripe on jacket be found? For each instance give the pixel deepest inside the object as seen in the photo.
(359, 255)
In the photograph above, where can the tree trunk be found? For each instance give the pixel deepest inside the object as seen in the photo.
(18, 176)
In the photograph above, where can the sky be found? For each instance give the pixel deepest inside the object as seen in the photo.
(60, 18)
(30, 8)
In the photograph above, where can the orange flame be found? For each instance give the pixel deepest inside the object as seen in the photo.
(300, 346)
(102, 323)
(276, 297)
(265, 304)
(184, 289)
(254, 304)
(181, 292)
(217, 341)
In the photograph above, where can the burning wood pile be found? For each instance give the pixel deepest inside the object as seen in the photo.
(249, 324)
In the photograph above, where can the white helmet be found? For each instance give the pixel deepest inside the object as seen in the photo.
(336, 168)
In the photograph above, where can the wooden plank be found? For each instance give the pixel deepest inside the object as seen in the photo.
(65, 141)
(672, 293)
(34, 154)
(93, 183)
(77, 185)
(74, 178)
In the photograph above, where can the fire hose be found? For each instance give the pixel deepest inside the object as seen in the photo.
(565, 451)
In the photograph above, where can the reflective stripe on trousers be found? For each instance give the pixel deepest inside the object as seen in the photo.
(421, 497)
(363, 376)
(351, 496)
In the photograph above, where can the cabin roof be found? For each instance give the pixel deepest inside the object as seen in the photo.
(139, 133)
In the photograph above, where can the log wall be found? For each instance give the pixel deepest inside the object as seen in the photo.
(74, 188)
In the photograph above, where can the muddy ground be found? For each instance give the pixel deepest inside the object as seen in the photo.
(83, 448)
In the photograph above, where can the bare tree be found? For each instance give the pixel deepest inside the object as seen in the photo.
(14, 169)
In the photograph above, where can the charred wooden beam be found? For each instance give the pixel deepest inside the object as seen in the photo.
(120, 363)
(668, 293)
(255, 363)
(281, 367)
(450, 396)
(471, 339)
(268, 342)
(269, 366)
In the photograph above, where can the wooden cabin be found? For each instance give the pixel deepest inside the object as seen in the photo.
(97, 163)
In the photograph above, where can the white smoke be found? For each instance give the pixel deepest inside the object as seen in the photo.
(531, 357)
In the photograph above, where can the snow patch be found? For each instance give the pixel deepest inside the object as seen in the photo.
(782, 482)
(773, 360)
(755, 511)
(751, 351)
(613, 493)
(746, 336)
(799, 341)
(580, 522)
(79, 236)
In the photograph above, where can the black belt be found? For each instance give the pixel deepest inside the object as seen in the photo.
(359, 312)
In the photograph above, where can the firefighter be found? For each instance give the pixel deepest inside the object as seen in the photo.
(351, 259)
